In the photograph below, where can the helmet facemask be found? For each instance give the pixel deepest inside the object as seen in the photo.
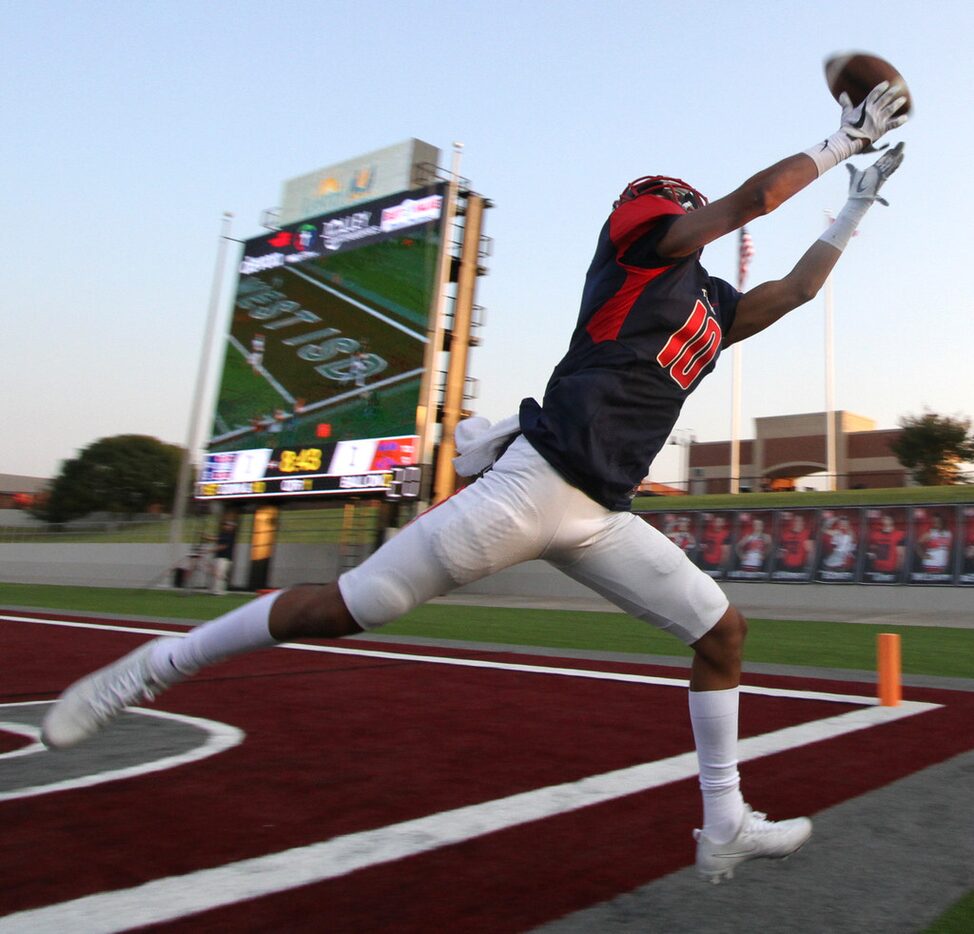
(674, 189)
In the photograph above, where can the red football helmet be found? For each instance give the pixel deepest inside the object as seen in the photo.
(673, 188)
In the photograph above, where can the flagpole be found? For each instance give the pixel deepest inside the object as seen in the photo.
(735, 458)
(746, 251)
(831, 467)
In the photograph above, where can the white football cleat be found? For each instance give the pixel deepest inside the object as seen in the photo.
(758, 838)
(95, 700)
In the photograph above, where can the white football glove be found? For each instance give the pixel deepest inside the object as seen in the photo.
(874, 116)
(860, 126)
(864, 188)
(865, 183)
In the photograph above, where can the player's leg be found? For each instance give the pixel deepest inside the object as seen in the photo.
(640, 570)
(489, 525)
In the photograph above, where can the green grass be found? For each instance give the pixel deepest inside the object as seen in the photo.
(156, 603)
(390, 274)
(243, 395)
(958, 919)
(311, 526)
(926, 650)
(128, 532)
(321, 525)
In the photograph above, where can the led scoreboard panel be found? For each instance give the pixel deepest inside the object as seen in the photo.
(325, 354)
(373, 465)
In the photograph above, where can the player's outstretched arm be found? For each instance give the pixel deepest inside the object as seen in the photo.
(766, 303)
(761, 194)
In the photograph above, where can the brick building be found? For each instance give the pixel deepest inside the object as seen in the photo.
(788, 447)
(19, 492)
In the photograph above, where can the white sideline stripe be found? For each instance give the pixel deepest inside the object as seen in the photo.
(219, 737)
(357, 304)
(178, 896)
(480, 663)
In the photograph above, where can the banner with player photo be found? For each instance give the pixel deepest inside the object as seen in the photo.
(933, 534)
(966, 536)
(680, 528)
(795, 532)
(838, 546)
(752, 551)
(919, 545)
(887, 531)
(714, 549)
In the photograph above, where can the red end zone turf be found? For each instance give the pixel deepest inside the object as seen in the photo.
(339, 744)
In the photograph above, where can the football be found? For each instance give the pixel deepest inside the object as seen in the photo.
(857, 73)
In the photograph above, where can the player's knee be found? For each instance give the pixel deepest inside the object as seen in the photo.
(732, 630)
(726, 639)
(310, 611)
(378, 600)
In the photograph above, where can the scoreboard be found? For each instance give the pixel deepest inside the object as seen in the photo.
(373, 465)
(327, 352)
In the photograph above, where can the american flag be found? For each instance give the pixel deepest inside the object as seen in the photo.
(746, 252)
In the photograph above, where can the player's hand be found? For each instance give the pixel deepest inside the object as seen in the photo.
(865, 184)
(873, 118)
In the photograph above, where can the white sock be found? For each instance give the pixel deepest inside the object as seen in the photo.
(241, 630)
(713, 715)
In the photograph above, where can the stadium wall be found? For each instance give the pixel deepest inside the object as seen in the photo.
(531, 583)
(148, 565)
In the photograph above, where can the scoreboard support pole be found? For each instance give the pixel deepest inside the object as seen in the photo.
(263, 538)
(445, 481)
(427, 408)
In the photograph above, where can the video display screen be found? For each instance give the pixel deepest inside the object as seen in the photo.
(326, 349)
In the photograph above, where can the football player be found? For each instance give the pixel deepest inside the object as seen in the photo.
(933, 547)
(754, 548)
(651, 326)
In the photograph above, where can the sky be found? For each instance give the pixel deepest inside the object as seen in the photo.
(130, 128)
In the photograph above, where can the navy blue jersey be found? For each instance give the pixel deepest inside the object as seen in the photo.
(650, 328)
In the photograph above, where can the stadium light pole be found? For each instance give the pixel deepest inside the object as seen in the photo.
(196, 406)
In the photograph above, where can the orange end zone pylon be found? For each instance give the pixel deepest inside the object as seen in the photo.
(888, 665)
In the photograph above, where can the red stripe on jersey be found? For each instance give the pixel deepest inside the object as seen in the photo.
(607, 322)
(628, 223)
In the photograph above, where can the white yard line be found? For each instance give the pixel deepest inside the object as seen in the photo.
(475, 663)
(360, 305)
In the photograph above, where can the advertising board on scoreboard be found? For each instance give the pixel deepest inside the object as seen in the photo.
(326, 352)
(401, 167)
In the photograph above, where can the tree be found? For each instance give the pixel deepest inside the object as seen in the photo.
(125, 474)
(933, 447)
